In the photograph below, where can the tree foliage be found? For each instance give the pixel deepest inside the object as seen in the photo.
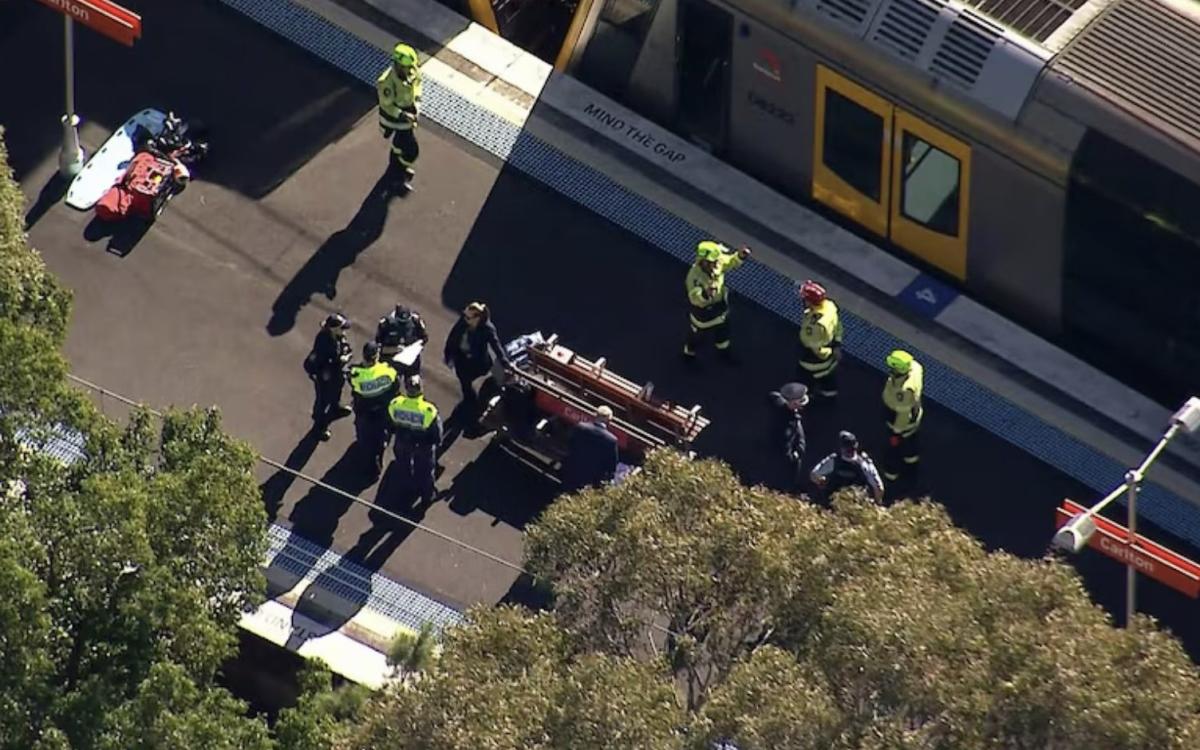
(857, 627)
(510, 680)
(126, 554)
(29, 294)
(322, 713)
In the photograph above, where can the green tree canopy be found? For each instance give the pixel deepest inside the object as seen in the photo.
(890, 625)
(125, 558)
(511, 680)
(28, 292)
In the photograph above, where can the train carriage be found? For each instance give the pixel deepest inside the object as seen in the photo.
(1044, 155)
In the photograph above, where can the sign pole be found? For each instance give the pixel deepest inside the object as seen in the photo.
(70, 160)
(1132, 480)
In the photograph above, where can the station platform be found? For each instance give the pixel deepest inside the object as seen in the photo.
(561, 222)
(513, 105)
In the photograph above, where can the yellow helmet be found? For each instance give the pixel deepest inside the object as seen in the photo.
(404, 56)
(708, 250)
(899, 361)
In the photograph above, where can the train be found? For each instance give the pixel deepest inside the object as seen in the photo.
(1041, 155)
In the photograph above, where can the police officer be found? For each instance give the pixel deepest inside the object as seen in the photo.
(398, 329)
(399, 89)
(418, 429)
(373, 384)
(787, 406)
(709, 296)
(326, 367)
(820, 340)
(848, 467)
(902, 413)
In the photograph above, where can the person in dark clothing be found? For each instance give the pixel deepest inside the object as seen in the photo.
(592, 453)
(470, 348)
(848, 467)
(787, 406)
(400, 328)
(326, 367)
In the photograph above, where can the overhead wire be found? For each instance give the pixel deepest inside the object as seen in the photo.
(356, 499)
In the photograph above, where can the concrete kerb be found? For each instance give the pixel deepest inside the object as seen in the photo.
(612, 201)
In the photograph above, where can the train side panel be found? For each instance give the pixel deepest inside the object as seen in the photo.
(771, 126)
(1014, 258)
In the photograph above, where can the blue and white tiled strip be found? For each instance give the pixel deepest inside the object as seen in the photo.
(353, 583)
(659, 227)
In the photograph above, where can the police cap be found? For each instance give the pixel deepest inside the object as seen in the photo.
(370, 350)
(847, 440)
(337, 320)
(794, 392)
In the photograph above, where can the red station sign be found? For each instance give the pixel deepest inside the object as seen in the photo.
(108, 18)
(1150, 559)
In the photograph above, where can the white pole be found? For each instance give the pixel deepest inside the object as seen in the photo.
(1132, 481)
(70, 159)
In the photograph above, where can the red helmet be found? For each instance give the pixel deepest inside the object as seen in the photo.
(812, 293)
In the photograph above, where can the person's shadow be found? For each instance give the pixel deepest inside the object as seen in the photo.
(320, 273)
(52, 192)
(277, 486)
(122, 236)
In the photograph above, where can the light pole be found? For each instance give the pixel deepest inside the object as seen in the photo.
(70, 159)
(1075, 534)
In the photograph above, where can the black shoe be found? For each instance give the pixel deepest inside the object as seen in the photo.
(342, 410)
(325, 434)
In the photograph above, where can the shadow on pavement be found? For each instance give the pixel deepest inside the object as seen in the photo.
(320, 273)
(528, 593)
(278, 484)
(51, 193)
(315, 519)
(122, 236)
(497, 484)
(340, 592)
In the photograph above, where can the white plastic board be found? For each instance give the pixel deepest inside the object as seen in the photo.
(107, 166)
(408, 355)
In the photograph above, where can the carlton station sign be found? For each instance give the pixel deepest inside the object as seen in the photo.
(1149, 559)
(108, 18)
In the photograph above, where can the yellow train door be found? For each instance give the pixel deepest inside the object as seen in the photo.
(852, 150)
(891, 172)
(931, 177)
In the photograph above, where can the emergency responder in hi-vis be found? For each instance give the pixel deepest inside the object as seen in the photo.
(418, 429)
(399, 89)
(848, 467)
(820, 340)
(902, 414)
(373, 385)
(708, 296)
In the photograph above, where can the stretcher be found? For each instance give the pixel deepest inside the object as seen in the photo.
(549, 388)
(108, 165)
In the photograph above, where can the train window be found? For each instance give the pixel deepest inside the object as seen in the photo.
(853, 144)
(930, 185)
(931, 180)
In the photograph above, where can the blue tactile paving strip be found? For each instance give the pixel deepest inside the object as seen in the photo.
(355, 584)
(302, 558)
(652, 223)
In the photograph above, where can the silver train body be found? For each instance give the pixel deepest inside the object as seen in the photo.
(1043, 155)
